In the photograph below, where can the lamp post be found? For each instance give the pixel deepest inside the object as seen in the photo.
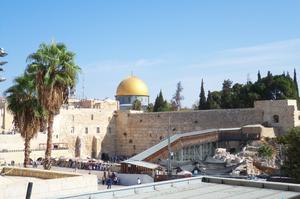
(169, 149)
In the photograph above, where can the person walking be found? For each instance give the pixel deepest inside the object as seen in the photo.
(139, 181)
(109, 182)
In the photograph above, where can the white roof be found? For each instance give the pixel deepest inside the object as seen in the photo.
(142, 164)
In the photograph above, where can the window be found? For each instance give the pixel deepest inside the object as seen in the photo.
(73, 118)
(275, 119)
(130, 141)
(86, 130)
(73, 129)
(92, 117)
(56, 136)
(98, 129)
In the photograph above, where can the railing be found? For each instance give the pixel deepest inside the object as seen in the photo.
(147, 188)
(144, 188)
(22, 150)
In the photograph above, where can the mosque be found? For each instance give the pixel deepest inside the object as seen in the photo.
(131, 89)
(119, 131)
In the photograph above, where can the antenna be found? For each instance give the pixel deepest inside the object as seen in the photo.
(248, 78)
(83, 96)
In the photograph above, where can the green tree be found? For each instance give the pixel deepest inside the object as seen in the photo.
(296, 82)
(137, 105)
(23, 103)
(150, 107)
(202, 100)
(213, 100)
(291, 143)
(56, 73)
(297, 88)
(265, 151)
(226, 97)
(258, 76)
(161, 104)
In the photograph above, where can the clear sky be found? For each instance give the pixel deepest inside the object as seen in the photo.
(160, 41)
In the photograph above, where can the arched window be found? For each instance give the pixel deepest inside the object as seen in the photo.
(275, 118)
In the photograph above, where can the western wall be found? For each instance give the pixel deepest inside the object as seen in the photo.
(127, 133)
(139, 131)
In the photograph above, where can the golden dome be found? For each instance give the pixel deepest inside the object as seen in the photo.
(132, 86)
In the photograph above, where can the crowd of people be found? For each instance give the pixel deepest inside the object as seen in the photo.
(110, 179)
(83, 164)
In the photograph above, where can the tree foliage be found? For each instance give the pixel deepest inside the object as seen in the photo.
(265, 151)
(161, 104)
(237, 95)
(137, 105)
(202, 100)
(291, 143)
(27, 113)
(55, 74)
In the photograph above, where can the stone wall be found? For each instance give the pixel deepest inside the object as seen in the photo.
(139, 131)
(286, 112)
(128, 132)
(86, 124)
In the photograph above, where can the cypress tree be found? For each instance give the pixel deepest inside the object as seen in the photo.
(258, 76)
(159, 103)
(296, 83)
(202, 101)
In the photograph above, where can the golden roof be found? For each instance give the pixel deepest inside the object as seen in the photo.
(132, 86)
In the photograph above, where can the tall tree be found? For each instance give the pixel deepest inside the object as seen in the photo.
(213, 100)
(159, 102)
(226, 97)
(23, 103)
(258, 76)
(55, 72)
(296, 82)
(202, 101)
(177, 97)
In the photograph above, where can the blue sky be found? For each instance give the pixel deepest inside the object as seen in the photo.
(162, 42)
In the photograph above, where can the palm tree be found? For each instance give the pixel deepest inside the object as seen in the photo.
(56, 73)
(23, 103)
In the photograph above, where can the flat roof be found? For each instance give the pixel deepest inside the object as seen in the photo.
(142, 164)
(194, 188)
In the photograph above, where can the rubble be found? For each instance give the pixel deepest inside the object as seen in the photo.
(247, 161)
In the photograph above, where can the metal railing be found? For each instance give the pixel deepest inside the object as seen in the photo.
(22, 150)
(143, 188)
